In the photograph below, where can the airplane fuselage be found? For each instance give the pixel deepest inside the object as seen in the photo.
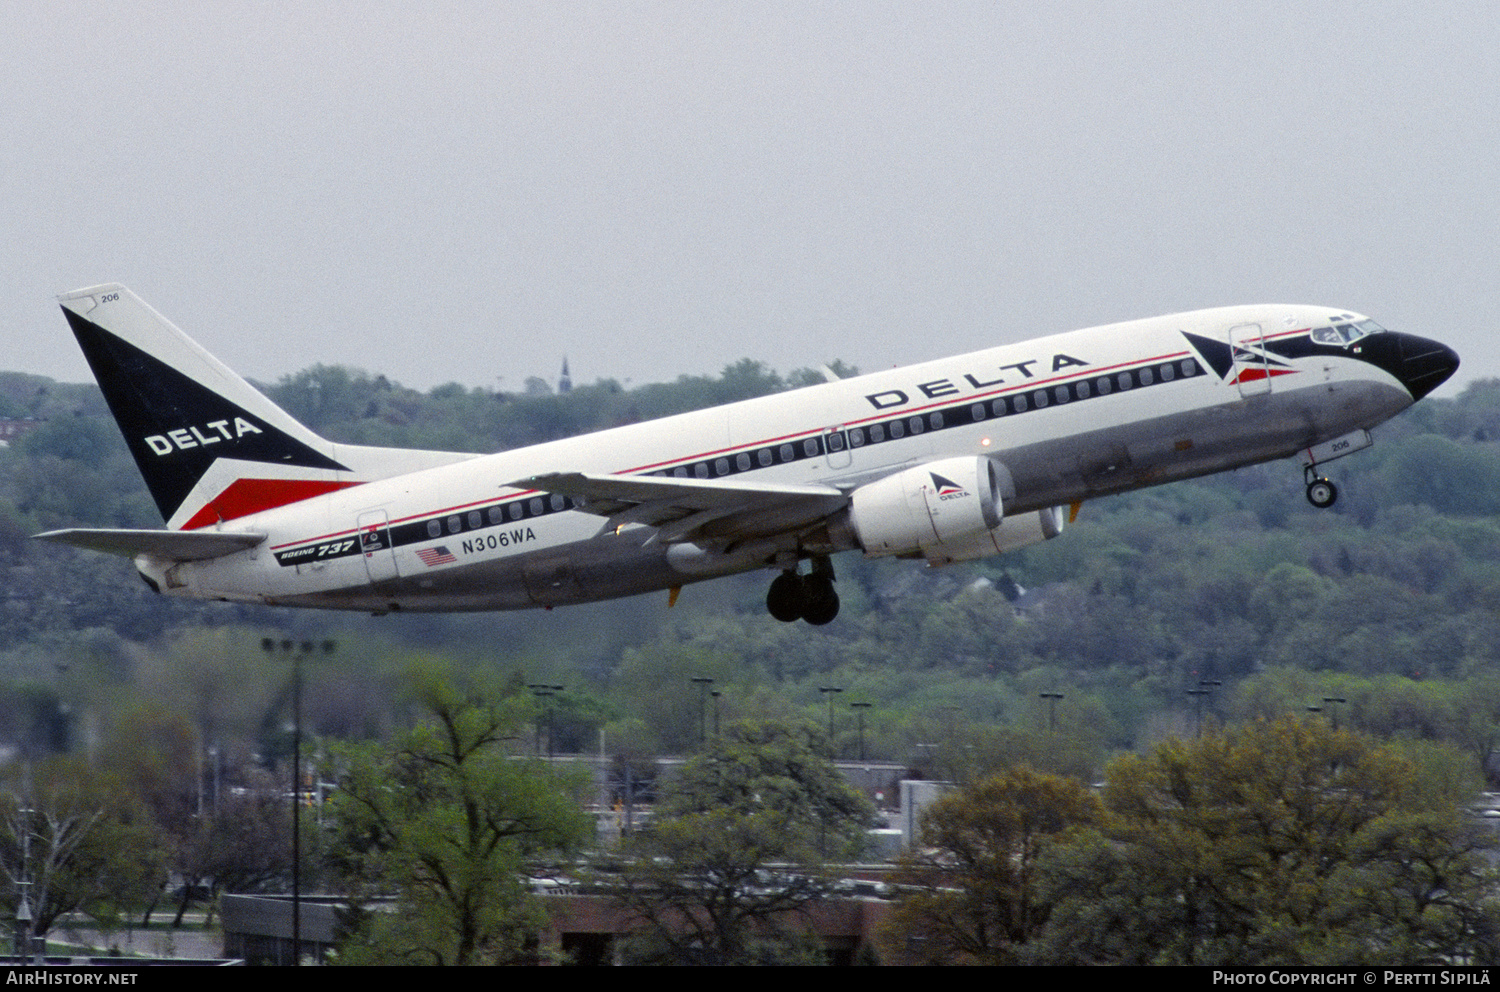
(1063, 419)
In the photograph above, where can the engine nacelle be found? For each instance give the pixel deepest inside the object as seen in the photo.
(1013, 532)
(920, 510)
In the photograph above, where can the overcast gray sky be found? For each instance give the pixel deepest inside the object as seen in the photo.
(467, 191)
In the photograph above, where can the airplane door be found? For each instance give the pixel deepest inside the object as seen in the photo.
(375, 542)
(836, 447)
(1251, 373)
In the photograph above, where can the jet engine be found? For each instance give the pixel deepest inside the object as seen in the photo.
(945, 511)
(924, 507)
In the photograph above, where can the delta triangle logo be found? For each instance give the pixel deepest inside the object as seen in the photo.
(1237, 364)
(946, 488)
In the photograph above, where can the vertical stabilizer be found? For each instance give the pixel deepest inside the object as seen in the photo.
(210, 446)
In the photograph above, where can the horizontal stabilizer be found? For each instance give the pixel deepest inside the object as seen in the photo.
(174, 545)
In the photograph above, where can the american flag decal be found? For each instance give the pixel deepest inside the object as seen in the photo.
(432, 557)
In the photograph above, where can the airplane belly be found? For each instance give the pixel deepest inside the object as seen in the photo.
(1194, 442)
(578, 572)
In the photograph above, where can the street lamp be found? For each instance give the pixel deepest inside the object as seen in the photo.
(269, 645)
(542, 690)
(859, 710)
(1052, 698)
(1330, 702)
(830, 691)
(702, 682)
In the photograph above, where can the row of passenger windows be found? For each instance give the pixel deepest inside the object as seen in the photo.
(496, 515)
(1082, 389)
(858, 437)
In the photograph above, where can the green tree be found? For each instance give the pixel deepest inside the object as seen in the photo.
(80, 840)
(1275, 843)
(447, 820)
(737, 846)
(971, 889)
(244, 845)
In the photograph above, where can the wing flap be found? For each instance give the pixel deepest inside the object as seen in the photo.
(693, 509)
(175, 545)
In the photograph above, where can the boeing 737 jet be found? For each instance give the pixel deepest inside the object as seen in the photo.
(949, 461)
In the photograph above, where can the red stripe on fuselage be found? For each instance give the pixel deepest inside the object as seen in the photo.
(246, 496)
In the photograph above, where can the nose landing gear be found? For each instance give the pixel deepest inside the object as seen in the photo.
(1321, 492)
(804, 597)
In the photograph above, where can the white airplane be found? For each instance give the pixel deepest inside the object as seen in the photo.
(948, 461)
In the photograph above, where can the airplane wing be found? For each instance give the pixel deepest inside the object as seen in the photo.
(694, 510)
(175, 545)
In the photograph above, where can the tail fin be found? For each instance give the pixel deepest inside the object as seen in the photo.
(210, 446)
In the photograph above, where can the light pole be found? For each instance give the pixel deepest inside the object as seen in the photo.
(1204, 691)
(702, 682)
(1052, 698)
(23, 910)
(1331, 702)
(830, 691)
(304, 649)
(859, 710)
(542, 690)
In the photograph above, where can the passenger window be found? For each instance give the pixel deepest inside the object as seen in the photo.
(916, 425)
(475, 520)
(1146, 377)
(558, 502)
(701, 470)
(1167, 372)
(1039, 398)
(764, 456)
(742, 461)
(454, 524)
(721, 466)
(1083, 389)
(434, 529)
(877, 433)
(1020, 401)
(515, 510)
(787, 453)
(810, 447)
(976, 412)
(935, 420)
(998, 407)
(1189, 368)
(1061, 394)
(897, 430)
(495, 515)
(1103, 385)
(536, 507)
(1124, 380)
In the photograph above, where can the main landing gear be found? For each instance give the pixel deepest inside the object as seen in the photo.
(804, 597)
(1321, 492)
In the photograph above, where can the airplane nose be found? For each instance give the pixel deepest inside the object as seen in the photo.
(1425, 364)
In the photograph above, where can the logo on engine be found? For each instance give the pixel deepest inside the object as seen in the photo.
(947, 488)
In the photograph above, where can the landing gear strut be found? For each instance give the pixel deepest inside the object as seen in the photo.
(1321, 492)
(804, 597)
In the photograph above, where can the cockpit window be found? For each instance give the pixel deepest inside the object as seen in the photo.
(1342, 334)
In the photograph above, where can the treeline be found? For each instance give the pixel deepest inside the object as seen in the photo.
(1148, 597)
